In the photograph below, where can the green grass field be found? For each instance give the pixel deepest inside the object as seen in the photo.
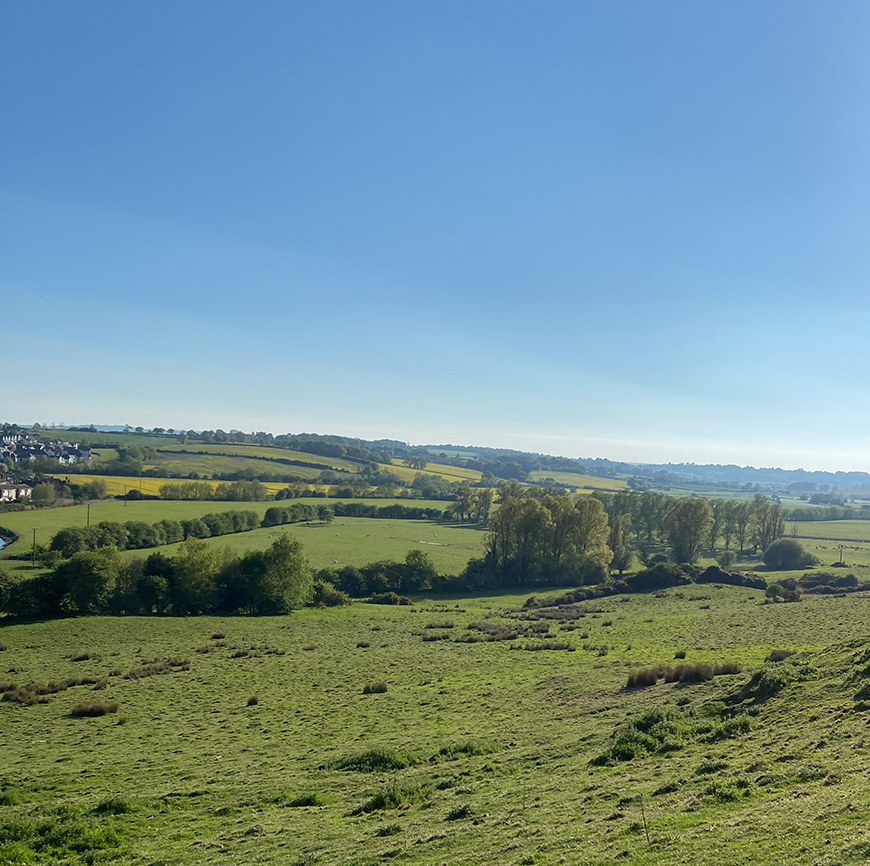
(486, 748)
(583, 483)
(383, 539)
(358, 540)
(207, 465)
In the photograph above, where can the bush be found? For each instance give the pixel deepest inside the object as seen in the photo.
(680, 654)
(253, 701)
(363, 644)
(388, 598)
(660, 576)
(88, 710)
(779, 655)
(374, 688)
(326, 595)
(786, 554)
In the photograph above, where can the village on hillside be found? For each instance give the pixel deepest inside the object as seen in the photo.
(20, 450)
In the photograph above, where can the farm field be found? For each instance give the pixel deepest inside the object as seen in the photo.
(358, 540)
(449, 473)
(119, 485)
(207, 465)
(581, 481)
(477, 753)
(264, 452)
(51, 520)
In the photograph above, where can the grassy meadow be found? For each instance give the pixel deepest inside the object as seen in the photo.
(348, 540)
(476, 753)
(582, 483)
(358, 540)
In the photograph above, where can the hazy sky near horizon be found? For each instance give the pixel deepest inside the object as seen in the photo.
(635, 230)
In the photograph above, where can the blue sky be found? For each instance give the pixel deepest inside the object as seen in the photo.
(636, 230)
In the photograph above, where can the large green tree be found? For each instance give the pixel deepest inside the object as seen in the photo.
(686, 527)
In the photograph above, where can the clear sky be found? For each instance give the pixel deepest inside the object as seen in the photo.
(636, 230)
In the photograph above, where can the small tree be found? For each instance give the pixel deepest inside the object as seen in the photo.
(619, 543)
(786, 554)
(44, 495)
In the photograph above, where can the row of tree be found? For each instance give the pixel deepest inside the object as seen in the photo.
(198, 579)
(692, 524)
(136, 535)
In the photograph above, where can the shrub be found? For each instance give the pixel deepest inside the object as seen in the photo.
(680, 654)
(440, 625)
(326, 595)
(374, 688)
(218, 635)
(786, 554)
(389, 830)
(240, 654)
(253, 701)
(81, 657)
(388, 598)
(100, 708)
(2, 646)
(363, 644)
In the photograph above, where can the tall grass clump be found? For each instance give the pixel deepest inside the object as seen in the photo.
(378, 688)
(375, 760)
(90, 710)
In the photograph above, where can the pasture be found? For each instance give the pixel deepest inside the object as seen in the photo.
(356, 541)
(476, 753)
(583, 483)
(383, 539)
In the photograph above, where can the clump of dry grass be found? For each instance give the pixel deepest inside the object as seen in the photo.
(90, 710)
(157, 667)
(779, 655)
(377, 688)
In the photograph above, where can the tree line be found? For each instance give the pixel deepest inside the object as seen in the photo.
(198, 579)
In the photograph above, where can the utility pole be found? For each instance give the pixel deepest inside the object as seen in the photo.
(33, 551)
